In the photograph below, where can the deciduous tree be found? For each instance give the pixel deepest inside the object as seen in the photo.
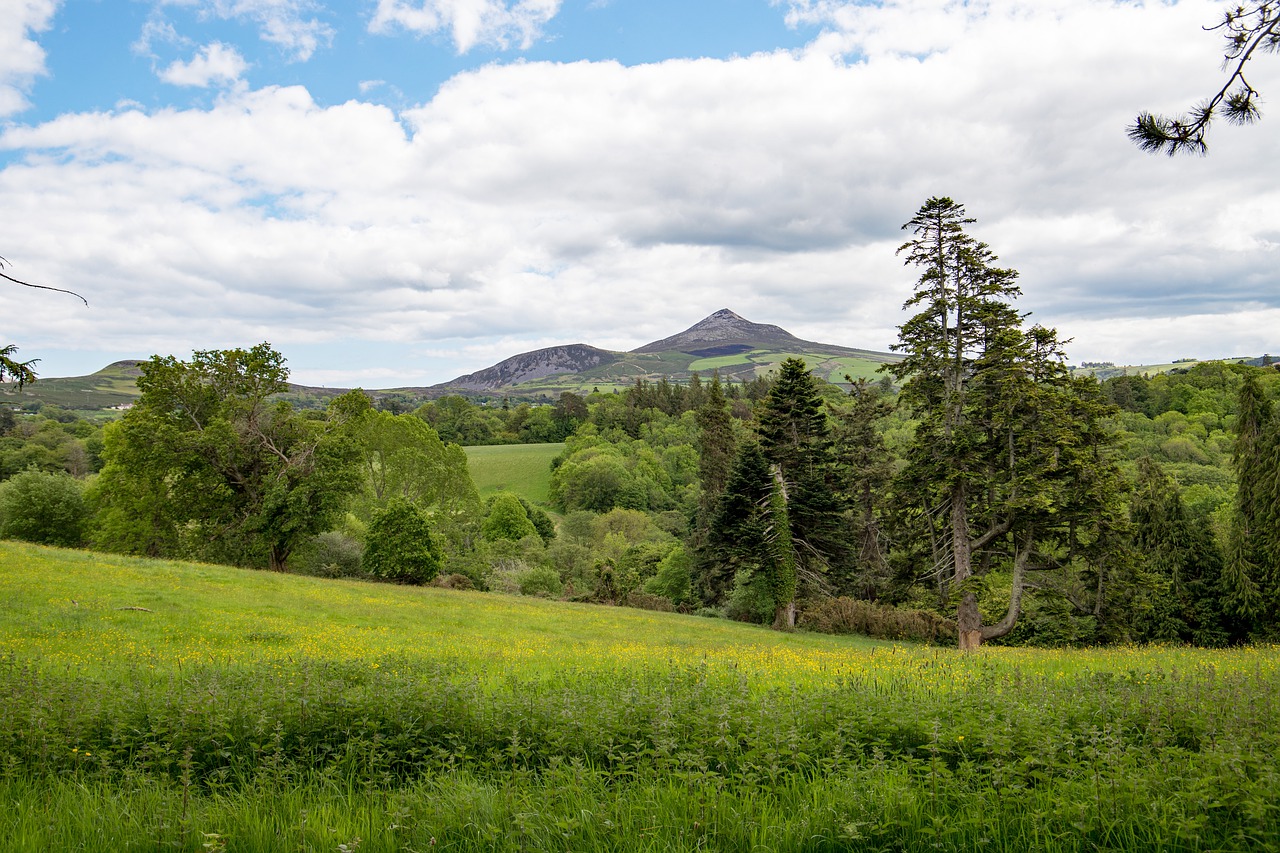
(207, 464)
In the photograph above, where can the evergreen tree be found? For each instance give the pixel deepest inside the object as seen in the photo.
(1252, 577)
(795, 436)
(1180, 557)
(716, 449)
(1009, 453)
(864, 470)
(749, 543)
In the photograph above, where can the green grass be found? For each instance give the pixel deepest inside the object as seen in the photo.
(250, 711)
(521, 468)
(78, 610)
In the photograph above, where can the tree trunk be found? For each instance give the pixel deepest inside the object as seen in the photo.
(968, 618)
(784, 617)
(1020, 560)
(969, 622)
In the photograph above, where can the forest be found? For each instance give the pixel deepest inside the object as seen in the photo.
(979, 491)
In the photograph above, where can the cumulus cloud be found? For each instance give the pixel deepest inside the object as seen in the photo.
(495, 23)
(213, 64)
(21, 57)
(536, 203)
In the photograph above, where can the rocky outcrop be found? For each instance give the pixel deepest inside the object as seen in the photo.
(570, 358)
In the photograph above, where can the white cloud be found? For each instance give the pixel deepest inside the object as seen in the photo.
(495, 23)
(536, 202)
(21, 57)
(213, 64)
(291, 25)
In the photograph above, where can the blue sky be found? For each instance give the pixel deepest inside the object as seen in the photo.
(96, 58)
(396, 192)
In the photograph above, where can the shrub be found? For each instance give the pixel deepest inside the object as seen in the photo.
(542, 581)
(329, 555)
(507, 519)
(46, 508)
(646, 601)
(853, 616)
(453, 581)
(399, 546)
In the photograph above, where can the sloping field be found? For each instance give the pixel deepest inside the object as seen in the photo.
(97, 613)
(521, 468)
(161, 705)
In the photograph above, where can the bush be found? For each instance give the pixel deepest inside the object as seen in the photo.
(673, 579)
(46, 508)
(646, 601)
(399, 546)
(853, 616)
(542, 581)
(329, 555)
(454, 581)
(507, 519)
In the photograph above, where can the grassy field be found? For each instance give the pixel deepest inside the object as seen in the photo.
(521, 468)
(159, 705)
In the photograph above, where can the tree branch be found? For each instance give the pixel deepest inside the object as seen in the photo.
(38, 286)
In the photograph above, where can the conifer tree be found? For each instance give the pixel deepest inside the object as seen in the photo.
(1179, 555)
(750, 540)
(795, 436)
(1251, 580)
(864, 471)
(716, 448)
(1009, 450)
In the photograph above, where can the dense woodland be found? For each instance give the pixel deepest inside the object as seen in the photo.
(978, 488)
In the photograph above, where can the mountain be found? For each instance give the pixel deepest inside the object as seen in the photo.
(724, 330)
(737, 348)
(538, 364)
(724, 341)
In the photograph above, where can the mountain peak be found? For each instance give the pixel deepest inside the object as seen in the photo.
(722, 329)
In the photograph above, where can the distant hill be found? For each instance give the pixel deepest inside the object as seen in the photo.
(738, 348)
(531, 366)
(112, 386)
(724, 341)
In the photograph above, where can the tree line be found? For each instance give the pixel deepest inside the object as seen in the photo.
(979, 485)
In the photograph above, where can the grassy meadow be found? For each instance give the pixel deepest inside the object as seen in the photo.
(150, 705)
(521, 468)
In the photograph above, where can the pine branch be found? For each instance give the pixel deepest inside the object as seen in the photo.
(1248, 30)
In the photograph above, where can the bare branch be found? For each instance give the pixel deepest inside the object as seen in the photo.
(3, 262)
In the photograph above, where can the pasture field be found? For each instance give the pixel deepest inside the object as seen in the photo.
(521, 468)
(150, 705)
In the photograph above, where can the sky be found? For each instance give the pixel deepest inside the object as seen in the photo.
(397, 192)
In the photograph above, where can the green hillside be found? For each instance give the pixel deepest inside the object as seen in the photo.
(164, 705)
(112, 386)
(98, 614)
(521, 468)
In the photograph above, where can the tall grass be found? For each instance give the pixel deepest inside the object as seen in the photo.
(618, 730)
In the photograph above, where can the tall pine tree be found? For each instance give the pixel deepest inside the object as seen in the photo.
(795, 437)
(1008, 449)
(1251, 579)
